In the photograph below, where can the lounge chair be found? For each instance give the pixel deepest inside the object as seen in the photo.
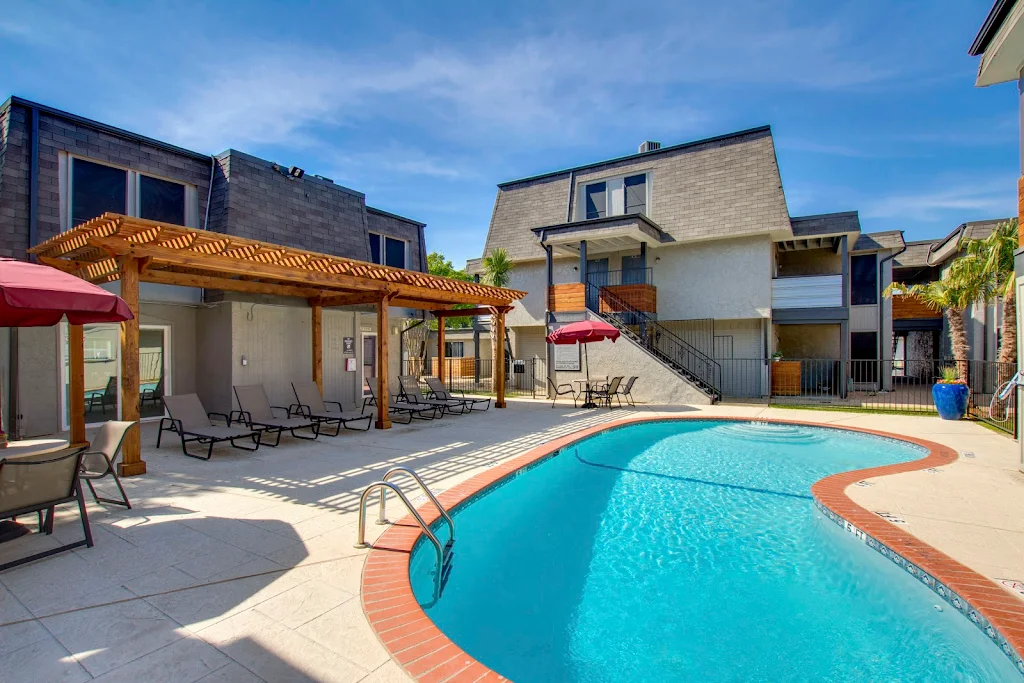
(312, 405)
(410, 387)
(413, 411)
(256, 411)
(154, 395)
(34, 483)
(107, 397)
(608, 392)
(190, 421)
(103, 453)
(562, 390)
(437, 390)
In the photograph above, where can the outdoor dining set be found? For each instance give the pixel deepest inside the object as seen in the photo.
(594, 392)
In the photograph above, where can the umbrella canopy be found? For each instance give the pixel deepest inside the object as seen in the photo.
(583, 332)
(33, 295)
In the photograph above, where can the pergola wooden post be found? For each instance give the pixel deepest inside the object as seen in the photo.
(383, 398)
(76, 384)
(131, 449)
(440, 349)
(499, 358)
(318, 345)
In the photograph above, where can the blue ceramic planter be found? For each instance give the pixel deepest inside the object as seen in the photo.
(950, 400)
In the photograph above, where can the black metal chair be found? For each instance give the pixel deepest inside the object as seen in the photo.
(563, 390)
(626, 390)
(608, 392)
(38, 483)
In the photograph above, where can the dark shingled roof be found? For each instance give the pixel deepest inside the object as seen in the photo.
(916, 255)
(825, 224)
(890, 239)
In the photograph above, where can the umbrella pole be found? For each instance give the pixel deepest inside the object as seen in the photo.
(586, 357)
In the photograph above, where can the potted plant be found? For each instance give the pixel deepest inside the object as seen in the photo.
(777, 356)
(950, 394)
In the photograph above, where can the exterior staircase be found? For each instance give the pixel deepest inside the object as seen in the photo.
(683, 358)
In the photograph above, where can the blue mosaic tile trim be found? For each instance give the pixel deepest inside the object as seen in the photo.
(939, 588)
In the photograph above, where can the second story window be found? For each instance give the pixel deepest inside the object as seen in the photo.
(614, 197)
(161, 200)
(97, 188)
(387, 251)
(863, 280)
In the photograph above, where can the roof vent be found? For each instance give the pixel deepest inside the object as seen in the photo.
(649, 146)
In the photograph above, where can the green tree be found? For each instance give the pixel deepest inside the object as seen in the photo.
(497, 272)
(437, 264)
(995, 253)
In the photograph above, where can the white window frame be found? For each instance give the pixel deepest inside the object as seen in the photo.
(383, 250)
(614, 194)
(451, 345)
(65, 182)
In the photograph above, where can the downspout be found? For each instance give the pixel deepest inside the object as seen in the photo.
(209, 193)
(881, 309)
(14, 409)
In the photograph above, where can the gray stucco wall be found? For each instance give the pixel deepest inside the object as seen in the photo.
(38, 379)
(214, 357)
(182, 320)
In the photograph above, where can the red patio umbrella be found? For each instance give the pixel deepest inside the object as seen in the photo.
(33, 295)
(584, 332)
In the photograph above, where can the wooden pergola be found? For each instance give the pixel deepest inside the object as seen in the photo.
(133, 250)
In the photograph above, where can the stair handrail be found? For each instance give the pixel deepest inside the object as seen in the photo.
(713, 366)
(393, 472)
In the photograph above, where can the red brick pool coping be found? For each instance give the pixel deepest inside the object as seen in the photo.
(428, 655)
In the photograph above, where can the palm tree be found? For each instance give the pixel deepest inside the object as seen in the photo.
(497, 269)
(996, 253)
(964, 282)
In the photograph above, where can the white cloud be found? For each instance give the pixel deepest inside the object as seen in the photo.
(972, 200)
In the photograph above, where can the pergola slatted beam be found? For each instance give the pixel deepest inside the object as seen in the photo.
(459, 312)
(349, 299)
(163, 277)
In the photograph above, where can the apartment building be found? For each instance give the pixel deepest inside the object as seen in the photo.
(692, 251)
(58, 170)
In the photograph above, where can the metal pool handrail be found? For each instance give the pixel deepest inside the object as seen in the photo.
(381, 515)
(361, 537)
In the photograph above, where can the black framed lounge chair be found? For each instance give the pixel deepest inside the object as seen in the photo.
(311, 404)
(107, 397)
(37, 483)
(626, 390)
(256, 411)
(437, 390)
(410, 410)
(609, 392)
(98, 462)
(562, 390)
(190, 421)
(411, 392)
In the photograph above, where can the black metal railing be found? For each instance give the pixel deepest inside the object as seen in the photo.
(629, 276)
(659, 341)
(523, 376)
(698, 333)
(875, 384)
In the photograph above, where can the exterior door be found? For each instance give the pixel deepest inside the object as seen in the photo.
(597, 277)
(369, 360)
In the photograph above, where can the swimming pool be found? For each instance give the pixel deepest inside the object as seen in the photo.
(690, 550)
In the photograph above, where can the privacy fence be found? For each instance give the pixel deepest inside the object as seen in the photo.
(883, 385)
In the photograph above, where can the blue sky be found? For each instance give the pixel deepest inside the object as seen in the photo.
(426, 108)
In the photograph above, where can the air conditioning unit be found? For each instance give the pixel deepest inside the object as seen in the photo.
(649, 146)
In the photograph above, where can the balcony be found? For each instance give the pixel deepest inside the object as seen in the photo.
(611, 292)
(811, 291)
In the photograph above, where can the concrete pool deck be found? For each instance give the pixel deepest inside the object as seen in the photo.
(242, 568)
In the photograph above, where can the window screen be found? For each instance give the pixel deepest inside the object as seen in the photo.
(636, 194)
(596, 203)
(394, 253)
(161, 200)
(863, 280)
(374, 248)
(96, 189)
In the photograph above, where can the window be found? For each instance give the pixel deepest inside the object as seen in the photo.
(393, 252)
(863, 356)
(863, 280)
(454, 349)
(161, 200)
(597, 205)
(613, 197)
(636, 194)
(96, 189)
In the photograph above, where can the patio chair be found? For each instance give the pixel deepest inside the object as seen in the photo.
(607, 393)
(256, 411)
(98, 461)
(108, 397)
(437, 390)
(563, 390)
(626, 390)
(413, 411)
(191, 422)
(410, 390)
(312, 405)
(34, 483)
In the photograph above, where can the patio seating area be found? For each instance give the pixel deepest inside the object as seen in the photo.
(242, 568)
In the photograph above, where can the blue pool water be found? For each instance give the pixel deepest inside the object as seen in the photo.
(677, 551)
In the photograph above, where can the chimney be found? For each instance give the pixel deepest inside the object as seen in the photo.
(649, 146)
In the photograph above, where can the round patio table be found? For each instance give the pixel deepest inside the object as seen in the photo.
(32, 447)
(589, 386)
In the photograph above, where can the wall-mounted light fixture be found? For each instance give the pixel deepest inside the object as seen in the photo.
(296, 172)
(657, 259)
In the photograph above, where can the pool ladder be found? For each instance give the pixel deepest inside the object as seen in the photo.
(443, 553)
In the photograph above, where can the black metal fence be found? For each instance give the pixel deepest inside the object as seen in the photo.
(523, 377)
(883, 385)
